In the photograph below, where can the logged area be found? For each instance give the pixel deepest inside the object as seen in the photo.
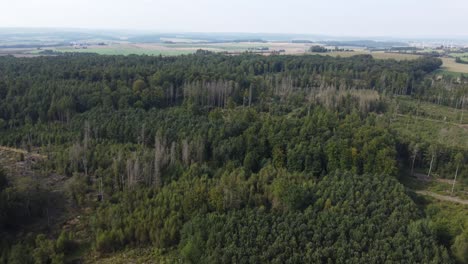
(215, 158)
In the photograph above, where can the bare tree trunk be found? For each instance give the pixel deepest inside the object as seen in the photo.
(430, 166)
(101, 193)
(142, 134)
(129, 166)
(159, 159)
(85, 147)
(461, 116)
(250, 95)
(157, 169)
(454, 180)
(185, 152)
(412, 165)
(173, 153)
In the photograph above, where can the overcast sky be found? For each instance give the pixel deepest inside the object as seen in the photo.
(330, 17)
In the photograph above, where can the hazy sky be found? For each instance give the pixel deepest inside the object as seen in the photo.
(331, 17)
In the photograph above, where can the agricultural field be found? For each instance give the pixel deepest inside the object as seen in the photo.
(125, 50)
(178, 48)
(186, 48)
(459, 54)
(451, 66)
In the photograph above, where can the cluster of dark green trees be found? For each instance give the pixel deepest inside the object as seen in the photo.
(242, 159)
(21, 205)
(56, 88)
(317, 48)
(273, 216)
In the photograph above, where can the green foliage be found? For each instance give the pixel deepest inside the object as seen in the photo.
(355, 227)
(77, 188)
(19, 255)
(460, 246)
(73, 83)
(65, 242)
(109, 241)
(44, 251)
(223, 159)
(449, 223)
(317, 48)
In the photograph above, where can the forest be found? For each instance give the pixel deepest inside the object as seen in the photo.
(212, 158)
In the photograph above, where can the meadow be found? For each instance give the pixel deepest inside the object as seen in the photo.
(451, 66)
(125, 50)
(434, 112)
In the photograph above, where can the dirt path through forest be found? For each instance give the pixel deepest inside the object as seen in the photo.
(443, 197)
(425, 178)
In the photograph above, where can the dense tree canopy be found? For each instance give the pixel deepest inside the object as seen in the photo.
(223, 159)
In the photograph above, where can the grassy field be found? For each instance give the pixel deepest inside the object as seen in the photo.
(179, 48)
(376, 55)
(125, 50)
(451, 66)
(431, 122)
(435, 112)
(188, 48)
(442, 187)
(459, 54)
(444, 133)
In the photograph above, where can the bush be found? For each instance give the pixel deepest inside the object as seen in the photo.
(64, 243)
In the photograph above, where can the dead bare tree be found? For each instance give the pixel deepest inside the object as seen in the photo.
(129, 167)
(75, 154)
(118, 176)
(185, 152)
(458, 160)
(250, 95)
(173, 153)
(160, 159)
(414, 151)
(462, 110)
(433, 151)
(86, 139)
(142, 135)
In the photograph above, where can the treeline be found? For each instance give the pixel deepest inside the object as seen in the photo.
(56, 88)
(201, 155)
(273, 216)
(135, 146)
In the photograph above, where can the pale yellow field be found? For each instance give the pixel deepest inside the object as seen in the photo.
(395, 56)
(339, 53)
(452, 66)
(376, 55)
